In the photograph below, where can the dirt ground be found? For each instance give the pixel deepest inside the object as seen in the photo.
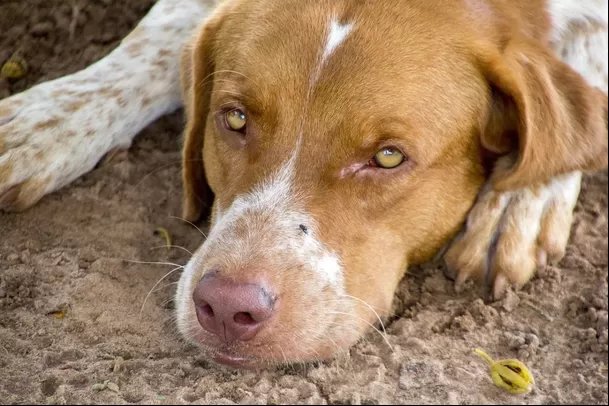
(70, 298)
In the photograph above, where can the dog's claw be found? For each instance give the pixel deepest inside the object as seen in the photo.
(450, 273)
(460, 281)
(531, 228)
(500, 286)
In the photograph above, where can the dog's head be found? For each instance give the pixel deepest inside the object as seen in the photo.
(343, 141)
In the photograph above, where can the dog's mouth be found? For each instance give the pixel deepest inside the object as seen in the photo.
(233, 360)
(235, 355)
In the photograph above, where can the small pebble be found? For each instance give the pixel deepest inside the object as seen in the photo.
(41, 29)
(98, 387)
(113, 387)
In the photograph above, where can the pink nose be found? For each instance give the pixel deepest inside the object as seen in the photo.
(232, 311)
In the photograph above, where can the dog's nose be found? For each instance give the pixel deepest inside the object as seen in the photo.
(233, 311)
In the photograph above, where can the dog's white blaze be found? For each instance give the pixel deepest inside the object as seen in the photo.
(337, 34)
(275, 201)
(272, 193)
(276, 196)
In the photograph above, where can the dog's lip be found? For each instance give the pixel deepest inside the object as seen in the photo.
(233, 360)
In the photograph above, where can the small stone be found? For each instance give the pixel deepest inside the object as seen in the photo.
(113, 387)
(26, 256)
(510, 301)
(41, 29)
(416, 375)
(49, 385)
(118, 365)
(98, 387)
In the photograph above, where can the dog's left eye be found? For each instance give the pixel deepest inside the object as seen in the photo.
(388, 158)
(235, 120)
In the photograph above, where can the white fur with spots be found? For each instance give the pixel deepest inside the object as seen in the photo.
(58, 130)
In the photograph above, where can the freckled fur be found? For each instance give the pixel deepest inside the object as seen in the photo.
(100, 124)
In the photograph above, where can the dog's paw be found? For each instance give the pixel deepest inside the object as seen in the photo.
(53, 133)
(509, 235)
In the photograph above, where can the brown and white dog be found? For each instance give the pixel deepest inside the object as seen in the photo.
(340, 142)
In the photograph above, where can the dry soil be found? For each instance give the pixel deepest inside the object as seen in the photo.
(70, 299)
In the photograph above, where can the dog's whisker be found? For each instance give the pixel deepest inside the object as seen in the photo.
(153, 263)
(226, 92)
(191, 223)
(334, 344)
(383, 335)
(155, 285)
(165, 166)
(165, 302)
(212, 80)
(285, 358)
(172, 246)
(163, 287)
(369, 307)
(223, 71)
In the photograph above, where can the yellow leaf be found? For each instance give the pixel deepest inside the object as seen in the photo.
(162, 231)
(14, 68)
(509, 374)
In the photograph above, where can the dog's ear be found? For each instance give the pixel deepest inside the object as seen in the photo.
(197, 66)
(545, 113)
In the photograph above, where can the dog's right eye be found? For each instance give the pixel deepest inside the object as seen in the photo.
(388, 158)
(235, 120)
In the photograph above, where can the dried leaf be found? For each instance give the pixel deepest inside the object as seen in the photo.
(509, 374)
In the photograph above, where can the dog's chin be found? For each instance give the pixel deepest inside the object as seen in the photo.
(264, 361)
(259, 357)
(236, 361)
(233, 357)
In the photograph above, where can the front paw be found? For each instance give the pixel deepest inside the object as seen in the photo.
(23, 176)
(50, 135)
(509, 235)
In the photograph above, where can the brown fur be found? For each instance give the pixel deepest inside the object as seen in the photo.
(448, 83)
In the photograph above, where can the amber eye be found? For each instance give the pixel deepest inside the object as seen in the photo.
(235, 120)
(389, 158)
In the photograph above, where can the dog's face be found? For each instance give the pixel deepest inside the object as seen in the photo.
(342, 141)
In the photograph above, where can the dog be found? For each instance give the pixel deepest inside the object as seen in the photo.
(334, 143)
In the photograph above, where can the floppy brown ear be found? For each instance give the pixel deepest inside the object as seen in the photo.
(197, 66)
(546, 112)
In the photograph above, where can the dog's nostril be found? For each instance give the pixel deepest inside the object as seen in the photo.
(244, 319)
(232, 311)
(207, 311)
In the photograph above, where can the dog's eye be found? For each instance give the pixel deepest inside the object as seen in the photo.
(388, 158)
(235, 120)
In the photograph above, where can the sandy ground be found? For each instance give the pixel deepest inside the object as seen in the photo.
(70, 256)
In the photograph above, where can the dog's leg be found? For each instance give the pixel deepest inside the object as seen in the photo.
(510, 235)
(58, 130)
